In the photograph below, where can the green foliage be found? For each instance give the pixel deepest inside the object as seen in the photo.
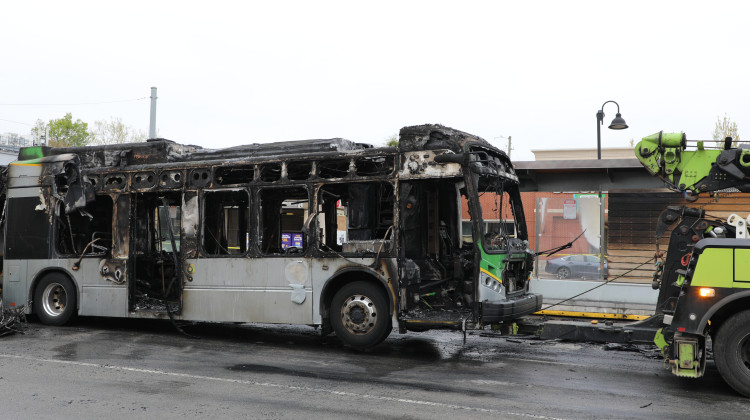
(726, 128)
(392, 140)
(65, 132)
(115, 132)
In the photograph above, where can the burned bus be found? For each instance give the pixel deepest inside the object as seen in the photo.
(339, 235)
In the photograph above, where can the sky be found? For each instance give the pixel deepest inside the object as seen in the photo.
(239, 72)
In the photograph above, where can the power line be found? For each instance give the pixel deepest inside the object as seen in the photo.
(80, 104)
(16, 122)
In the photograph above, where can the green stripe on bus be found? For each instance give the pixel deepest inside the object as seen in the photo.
(27, 153)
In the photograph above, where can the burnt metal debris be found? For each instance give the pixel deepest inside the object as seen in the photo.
(12, 320)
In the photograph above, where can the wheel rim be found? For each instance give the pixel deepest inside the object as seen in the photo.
(744, 351)
(563, 273)
(358, 314)
(54, 299)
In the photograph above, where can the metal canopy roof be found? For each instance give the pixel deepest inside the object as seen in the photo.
(585, 175)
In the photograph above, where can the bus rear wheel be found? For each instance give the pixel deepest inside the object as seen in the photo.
(732, 352)
(359, 315)
(55, 299)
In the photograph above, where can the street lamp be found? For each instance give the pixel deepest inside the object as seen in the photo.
(617, 124)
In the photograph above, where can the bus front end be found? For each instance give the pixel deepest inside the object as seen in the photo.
(504, 259)
(464, 253)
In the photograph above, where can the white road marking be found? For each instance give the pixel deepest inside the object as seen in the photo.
(280, 386)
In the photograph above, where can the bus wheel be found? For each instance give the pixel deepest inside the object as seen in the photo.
(359, 315)
(732, 352)
(55, 299)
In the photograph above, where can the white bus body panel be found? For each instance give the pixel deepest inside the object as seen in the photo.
(249, 290)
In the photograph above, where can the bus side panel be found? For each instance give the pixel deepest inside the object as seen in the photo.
(15, 285)
(108, 300)
(100, 294)
(272, 290)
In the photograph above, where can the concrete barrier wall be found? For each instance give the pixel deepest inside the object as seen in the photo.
(612, 298)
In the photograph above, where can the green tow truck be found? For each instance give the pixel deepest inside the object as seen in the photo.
(704, 282)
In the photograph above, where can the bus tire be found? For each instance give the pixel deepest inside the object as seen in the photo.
(359, 315)
(55, 299)
(732, 352)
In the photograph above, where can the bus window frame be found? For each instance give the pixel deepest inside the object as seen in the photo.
(515, 205)
(250, 227)
(89, 247)
(257, 208)
(388, 240)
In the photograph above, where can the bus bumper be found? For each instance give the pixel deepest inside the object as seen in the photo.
(495, 312)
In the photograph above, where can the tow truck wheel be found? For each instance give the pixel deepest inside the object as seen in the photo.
(55, 299)
(359, 315)
(732, 352)
(563, 273)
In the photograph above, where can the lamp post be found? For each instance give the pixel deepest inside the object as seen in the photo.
(617, 124)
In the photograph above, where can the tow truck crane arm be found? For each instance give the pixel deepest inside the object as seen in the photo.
(702, 170)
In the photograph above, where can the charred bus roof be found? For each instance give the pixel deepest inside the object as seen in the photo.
(163, 151)
(435, 136)
(425, 151)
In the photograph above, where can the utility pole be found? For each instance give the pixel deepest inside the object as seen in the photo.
(152, 123)
(509, 148)
(509, 142)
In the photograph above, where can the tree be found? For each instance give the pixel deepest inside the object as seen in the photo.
(39, 132)
(65, 132)
(392, 140)
(726, 128)
(115, 132)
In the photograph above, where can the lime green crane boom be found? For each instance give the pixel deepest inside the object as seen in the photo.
(701, 170)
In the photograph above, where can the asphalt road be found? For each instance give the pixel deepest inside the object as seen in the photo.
(110, 369)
